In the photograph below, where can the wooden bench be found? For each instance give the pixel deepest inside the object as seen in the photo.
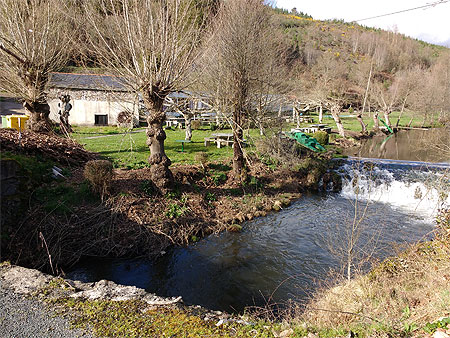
(208, 141)
(222, 142)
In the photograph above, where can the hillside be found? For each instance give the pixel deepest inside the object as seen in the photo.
(362, 68)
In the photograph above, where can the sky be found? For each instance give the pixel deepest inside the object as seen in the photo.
(431, 24)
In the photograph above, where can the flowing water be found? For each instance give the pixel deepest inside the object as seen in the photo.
(289, 254)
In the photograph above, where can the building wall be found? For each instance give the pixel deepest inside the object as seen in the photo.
(87, 104)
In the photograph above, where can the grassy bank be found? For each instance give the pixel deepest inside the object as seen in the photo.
(404, 296)
(133, 218)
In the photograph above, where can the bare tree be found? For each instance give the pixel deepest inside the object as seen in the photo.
(241, 63)
(33, 43)
(330, 86)
(152, 47)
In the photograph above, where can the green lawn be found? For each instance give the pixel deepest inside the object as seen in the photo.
(129, 149)
(351, 123)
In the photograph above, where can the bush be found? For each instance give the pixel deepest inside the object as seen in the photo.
(202, 158)
(99, 173)
(321, 136)
(196, 124)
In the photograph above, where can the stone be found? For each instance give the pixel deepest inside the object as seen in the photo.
(23, 280)
(27, 281)
(440, 334)
(286, 333)
(277, 206)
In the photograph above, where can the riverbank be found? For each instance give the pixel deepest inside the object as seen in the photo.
(407, 295)
(65, 220)
(132, 219)
(404, 296)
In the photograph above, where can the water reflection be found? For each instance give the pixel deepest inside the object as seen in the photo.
(280, 257)
(411, 145)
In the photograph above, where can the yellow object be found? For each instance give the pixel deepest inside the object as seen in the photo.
(17, 122)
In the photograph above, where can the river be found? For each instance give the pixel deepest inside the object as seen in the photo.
(287, 255)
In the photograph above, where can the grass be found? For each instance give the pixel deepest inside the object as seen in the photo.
(35, 168)
(351, 123)
(130, 149)
(406, 294)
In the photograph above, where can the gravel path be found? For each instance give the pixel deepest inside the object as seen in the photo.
(25, 318)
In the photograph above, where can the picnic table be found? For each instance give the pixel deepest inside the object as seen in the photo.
(313, 128)
(221, 139)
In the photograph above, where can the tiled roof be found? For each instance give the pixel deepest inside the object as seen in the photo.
(87, 82)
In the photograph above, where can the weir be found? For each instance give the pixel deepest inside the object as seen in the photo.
(287, 255)
(422, 187)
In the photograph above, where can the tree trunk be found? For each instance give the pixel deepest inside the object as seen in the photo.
(320, 114)
(259, 121)
(39, 120)
(238, 154)
(187, 120)
(64, 112)
(261, 128)
(337, 119)
(160, 173)
(361, 122)
(296, 116)
(386, 117)
(376, 123)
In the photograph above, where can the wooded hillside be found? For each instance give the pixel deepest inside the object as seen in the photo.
(345, 66)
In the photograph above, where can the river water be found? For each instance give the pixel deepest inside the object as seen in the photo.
(287, 255)
(410, 145)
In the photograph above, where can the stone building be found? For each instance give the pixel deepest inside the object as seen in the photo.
(95, 99)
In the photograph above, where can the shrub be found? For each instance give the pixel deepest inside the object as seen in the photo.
(202, 158)
(99, 173)
(196, 124)
(322, 137)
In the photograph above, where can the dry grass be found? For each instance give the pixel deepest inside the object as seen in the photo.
(99, 173)
(399, 296)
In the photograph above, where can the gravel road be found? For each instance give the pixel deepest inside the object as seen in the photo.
(25, 318)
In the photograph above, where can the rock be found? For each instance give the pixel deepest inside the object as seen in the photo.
(277, 206)
(111, 291)
(440, 334)
(221, 322)
(27, 281)
(23, 280)
(286, 333)
(312, 335)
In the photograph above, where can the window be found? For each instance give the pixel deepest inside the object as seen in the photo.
(101, 120)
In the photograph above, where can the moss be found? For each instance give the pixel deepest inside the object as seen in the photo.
(137, 319)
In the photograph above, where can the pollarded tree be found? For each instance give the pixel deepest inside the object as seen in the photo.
(33, 43)
(152, 46)
(240, 64)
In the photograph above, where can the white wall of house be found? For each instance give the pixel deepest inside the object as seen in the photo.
(84, 110)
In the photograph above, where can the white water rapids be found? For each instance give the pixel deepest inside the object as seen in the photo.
(411, 186)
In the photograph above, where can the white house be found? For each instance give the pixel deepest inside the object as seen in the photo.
(95, 99)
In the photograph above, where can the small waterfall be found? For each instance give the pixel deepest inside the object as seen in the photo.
(417, 187)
